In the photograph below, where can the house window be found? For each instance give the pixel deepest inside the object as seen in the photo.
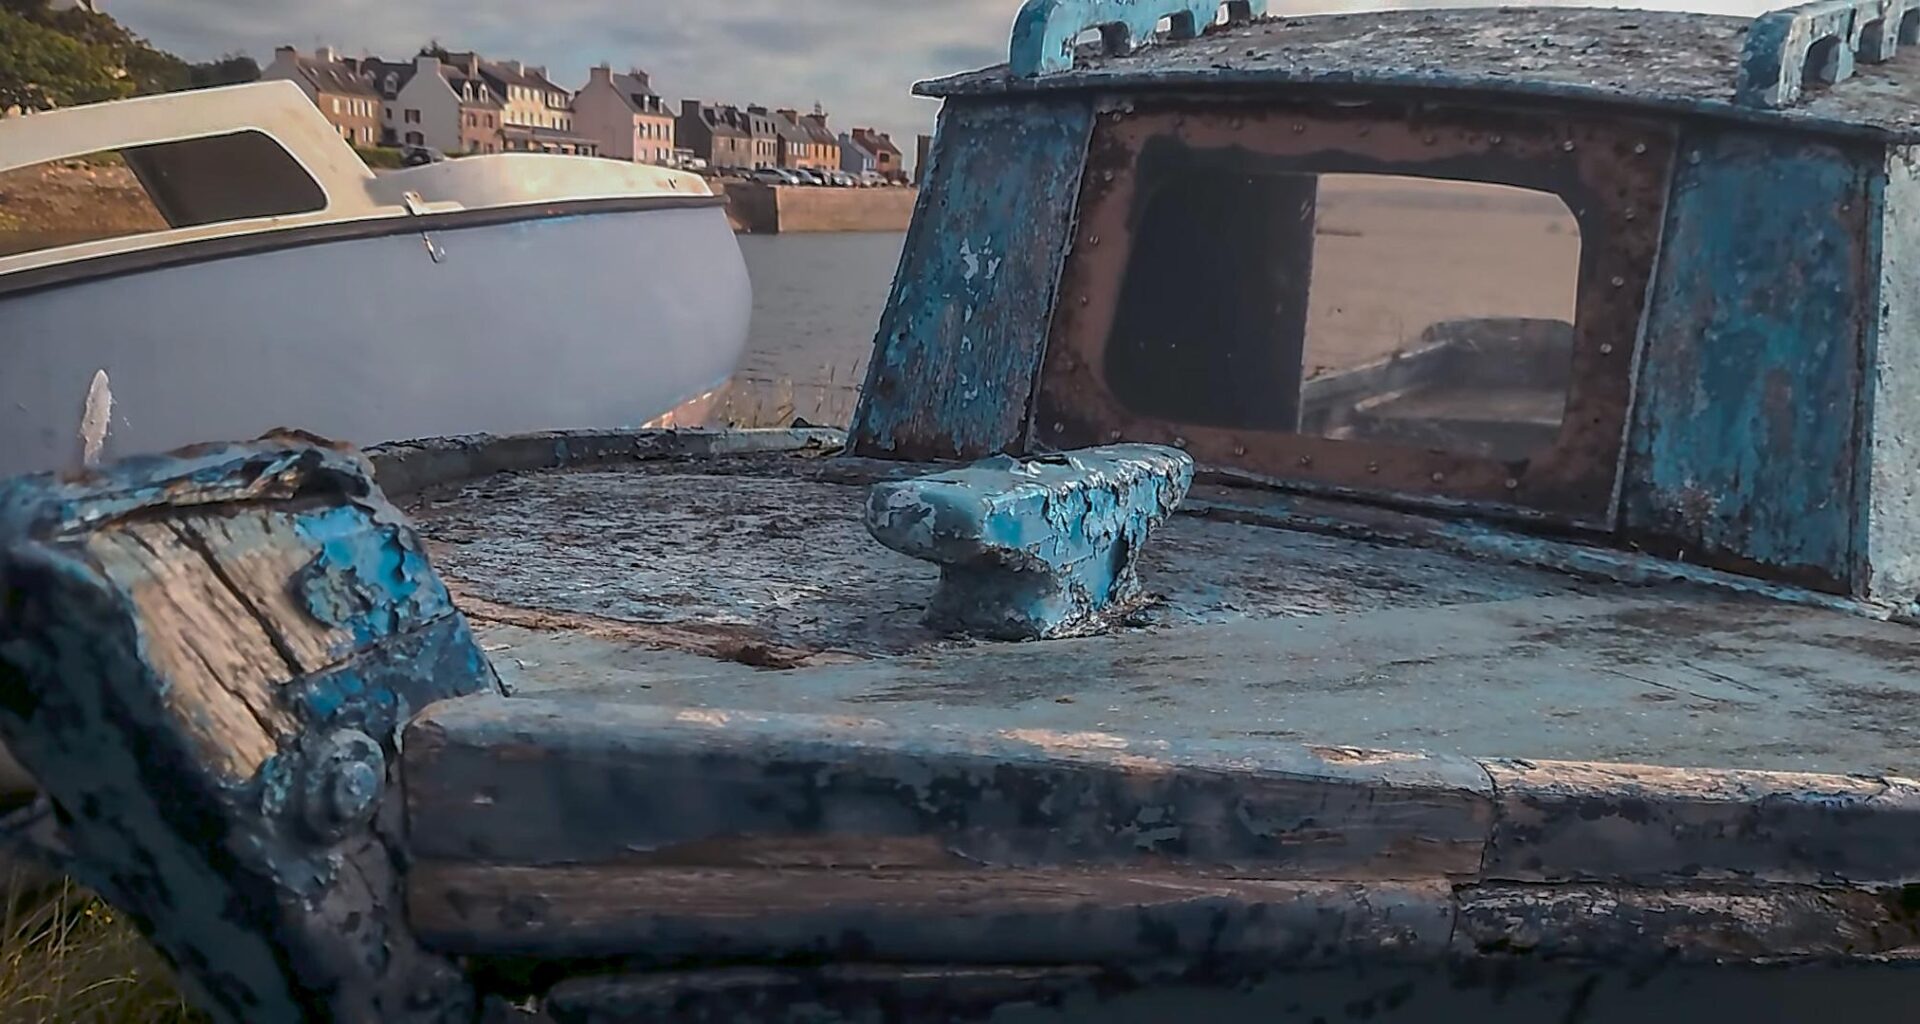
(413, 117)
(336, 105)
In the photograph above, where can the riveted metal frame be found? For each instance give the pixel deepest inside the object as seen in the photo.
(1612, 173)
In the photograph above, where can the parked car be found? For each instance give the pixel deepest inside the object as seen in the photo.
(773, 176)
(871, 179)
(808, 176)
(841, 179)
(420, 156)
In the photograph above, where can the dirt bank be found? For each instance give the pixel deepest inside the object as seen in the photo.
(71, 201)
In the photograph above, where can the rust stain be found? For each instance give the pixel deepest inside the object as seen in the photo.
(1356, 756)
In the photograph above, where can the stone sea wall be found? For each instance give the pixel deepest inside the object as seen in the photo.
(771, 209)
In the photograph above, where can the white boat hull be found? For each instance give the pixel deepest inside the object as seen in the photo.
(594, 319)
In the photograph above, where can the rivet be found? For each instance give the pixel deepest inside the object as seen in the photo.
(1106, 176)
(1112, 435)
(1694, 157)
(1093, 239)
(1639, 148)
(1239, 449)
(1439, 478)
(1496, 138)
(1366, 130)
(1306, 462)
(1298, 128)
(1619, 282)
(1084, 300)
(1567, 145)
(1606, 349)
(1430, 138)
(1512, 484)
(1059, 428)
(1179, 442)
(1630, 213)
(1373, 467)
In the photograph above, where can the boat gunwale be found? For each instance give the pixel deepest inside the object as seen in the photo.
(230, 244)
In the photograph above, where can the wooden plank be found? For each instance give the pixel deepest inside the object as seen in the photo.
(1636, 823)
(931, 916)
(1699, 925)
(208, 659)
(960, 343)
(524, 781)
(859, 992)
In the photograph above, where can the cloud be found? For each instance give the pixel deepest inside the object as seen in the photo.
(859, 58)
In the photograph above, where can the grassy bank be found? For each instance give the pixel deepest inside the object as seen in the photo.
(68, 958)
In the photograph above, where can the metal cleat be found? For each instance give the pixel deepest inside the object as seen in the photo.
(1034, 549)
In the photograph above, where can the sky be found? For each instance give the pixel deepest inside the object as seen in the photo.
(858, 58)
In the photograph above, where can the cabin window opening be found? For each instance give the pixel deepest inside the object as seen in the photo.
(1823, 63)
(149, 189)
(1423, 312)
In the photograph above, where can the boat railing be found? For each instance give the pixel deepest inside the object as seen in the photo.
(1820, 44)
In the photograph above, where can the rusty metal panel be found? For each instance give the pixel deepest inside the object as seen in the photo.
(961, 338)
(1611, 174)
(1747, 426)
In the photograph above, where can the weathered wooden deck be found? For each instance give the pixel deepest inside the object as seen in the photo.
(753, 586)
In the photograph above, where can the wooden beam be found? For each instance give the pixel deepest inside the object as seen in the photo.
(206, 659)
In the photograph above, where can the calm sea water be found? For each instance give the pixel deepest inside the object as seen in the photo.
(816, 303)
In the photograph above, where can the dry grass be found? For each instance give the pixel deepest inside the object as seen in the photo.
(68, 958)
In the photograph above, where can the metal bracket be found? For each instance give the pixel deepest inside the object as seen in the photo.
(1820, 42)
(1039, 548)
(1045, 31)
(417, 207)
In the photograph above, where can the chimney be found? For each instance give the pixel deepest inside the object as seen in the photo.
(645, 80)
(324, 55)
(286, 52)
(602, 75)
(427, 64)
(518, 67)
(473, 65)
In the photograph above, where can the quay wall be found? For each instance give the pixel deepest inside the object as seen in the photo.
(776, 209)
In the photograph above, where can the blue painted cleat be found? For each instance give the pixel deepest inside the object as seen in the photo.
(1034, 549)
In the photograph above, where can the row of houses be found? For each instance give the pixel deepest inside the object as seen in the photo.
(463, 103)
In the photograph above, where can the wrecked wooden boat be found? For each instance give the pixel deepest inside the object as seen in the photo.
(284, 282)
(1186, 628)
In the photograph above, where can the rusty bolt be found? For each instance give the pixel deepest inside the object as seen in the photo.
(343, 779)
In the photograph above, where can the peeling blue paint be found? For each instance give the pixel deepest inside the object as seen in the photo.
(1038, 548)
(372, 582)
(1746, 426)
(960, 343)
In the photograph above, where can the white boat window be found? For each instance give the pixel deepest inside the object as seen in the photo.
(136, 191)
(1425, 312)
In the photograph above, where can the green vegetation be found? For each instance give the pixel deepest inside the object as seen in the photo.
(382, 158)
(55, 58)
